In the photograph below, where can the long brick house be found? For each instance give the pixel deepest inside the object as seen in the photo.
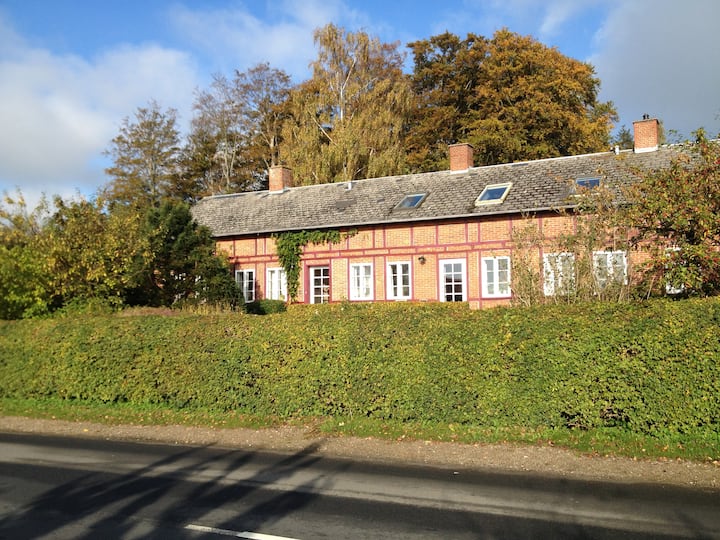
(438, 236)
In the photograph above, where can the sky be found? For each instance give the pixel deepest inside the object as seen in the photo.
(72, 70)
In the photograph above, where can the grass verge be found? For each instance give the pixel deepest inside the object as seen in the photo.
(698, 447)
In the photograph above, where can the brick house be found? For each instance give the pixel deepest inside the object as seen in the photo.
(438, 236)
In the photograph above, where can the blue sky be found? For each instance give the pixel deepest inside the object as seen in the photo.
(71, 70)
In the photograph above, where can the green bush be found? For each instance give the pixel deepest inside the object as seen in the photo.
(650, 368)
(265, 307)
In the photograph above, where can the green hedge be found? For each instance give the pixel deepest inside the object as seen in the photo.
(652, 368)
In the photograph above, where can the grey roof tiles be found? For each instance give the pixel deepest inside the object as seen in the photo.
(536, 185)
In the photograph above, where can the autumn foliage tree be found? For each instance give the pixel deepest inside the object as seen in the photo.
(347, 121)
(512, 97)
(677, 214)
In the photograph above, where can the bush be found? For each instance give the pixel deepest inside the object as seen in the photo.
(265, 307)
(649, 368)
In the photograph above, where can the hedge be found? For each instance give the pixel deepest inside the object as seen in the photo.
(651, 367)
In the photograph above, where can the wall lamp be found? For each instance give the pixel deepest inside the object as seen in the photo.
(421, 258)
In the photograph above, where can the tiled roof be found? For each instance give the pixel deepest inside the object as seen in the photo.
(536, 186)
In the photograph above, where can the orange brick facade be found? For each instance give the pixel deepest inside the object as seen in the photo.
(424, 247)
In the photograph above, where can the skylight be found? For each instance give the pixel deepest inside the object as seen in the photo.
(411, 201)
(493, 194)
(587, 182)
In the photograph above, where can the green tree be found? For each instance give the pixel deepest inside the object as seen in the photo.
(145, 160)
(91, 250)
(348, 120)
(512, 97)
(676, 211)
(24, 286)
(624, 139)
(180, 263)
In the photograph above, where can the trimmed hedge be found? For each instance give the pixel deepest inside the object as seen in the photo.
(652, 368)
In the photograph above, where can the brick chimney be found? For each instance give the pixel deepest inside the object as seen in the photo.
(461, 156)
(280, 178)
(646, 134)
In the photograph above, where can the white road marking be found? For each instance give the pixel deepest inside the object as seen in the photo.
(245, 534)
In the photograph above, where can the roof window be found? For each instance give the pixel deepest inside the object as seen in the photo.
(493, 194)
(589, 182)
(411, 201)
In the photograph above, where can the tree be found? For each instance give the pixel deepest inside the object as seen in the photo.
(235, 132)
(444, 79)
(91, 250)
(347, 121)
(677, 214)
(24, 287)
(145, 155)
(624, 139)
(180, 263)
(511, 97)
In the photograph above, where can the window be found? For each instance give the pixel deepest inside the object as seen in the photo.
(276, 284)
(398, 283)
(493, 194)
(246, 280)
(320, 285)
(559, 273)
(496, 277)
(361, 281)
(610, 267)
(411, 201)
(452, 284)
(674, 261)
(587, 183)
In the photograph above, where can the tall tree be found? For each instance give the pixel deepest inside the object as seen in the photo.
(145, 160)
(235, 131)
(512, 97)
(347, 121)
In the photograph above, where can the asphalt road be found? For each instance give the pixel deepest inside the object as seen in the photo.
(60, 488)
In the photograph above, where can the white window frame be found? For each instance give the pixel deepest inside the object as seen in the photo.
(246, 281)
(554, 284)
(361, 281)
(505, 186)
(443, 275)
(610, 267)
(324, 294)
(276, 283)
(492, 284)
(396, 289)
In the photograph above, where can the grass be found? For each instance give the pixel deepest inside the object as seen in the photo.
(699, 447)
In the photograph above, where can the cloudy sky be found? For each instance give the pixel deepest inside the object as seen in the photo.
(71, 70)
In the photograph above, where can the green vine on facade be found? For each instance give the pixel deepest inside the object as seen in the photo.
(289, 246)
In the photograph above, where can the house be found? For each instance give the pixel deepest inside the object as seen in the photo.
(438, 236)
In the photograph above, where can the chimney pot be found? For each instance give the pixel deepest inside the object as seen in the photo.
(646, 133)
(461, 156)
(280, 178)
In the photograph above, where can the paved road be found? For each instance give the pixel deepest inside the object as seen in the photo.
(53, 487)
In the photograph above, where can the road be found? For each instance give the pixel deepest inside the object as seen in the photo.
(53, 487)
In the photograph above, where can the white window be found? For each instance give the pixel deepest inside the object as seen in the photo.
(398, 281)
(319, 284)
(452, 280)
(496, 277)
(361, 281)
(673, 287)
(276, 284)
(246, 280)
(493, 194)
(610, 267)
(559, 273)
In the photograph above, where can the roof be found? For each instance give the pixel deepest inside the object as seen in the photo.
(536, 186)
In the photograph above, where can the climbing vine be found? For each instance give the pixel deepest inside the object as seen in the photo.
(289, 246)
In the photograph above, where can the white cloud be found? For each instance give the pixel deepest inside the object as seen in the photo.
(59, 112)
(661, 58)
(237, 39)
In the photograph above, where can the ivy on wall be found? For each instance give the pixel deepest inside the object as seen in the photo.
(289, 246)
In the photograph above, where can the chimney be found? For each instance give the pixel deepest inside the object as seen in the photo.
(280, 178)
(461, 156)
(646, 134)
